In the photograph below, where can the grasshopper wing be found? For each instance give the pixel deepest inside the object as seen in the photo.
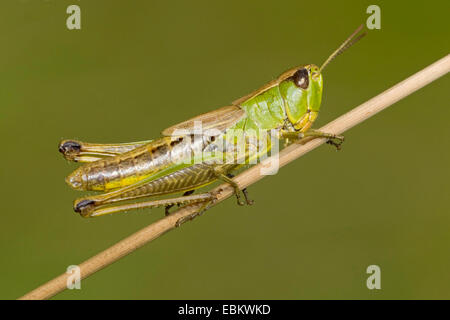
(220, 119)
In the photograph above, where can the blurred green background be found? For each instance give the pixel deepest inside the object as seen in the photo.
(137, 67)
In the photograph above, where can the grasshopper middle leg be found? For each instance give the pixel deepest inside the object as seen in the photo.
(227, 177)
(244, 192)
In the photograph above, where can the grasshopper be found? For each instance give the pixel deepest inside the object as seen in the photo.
(286, 106)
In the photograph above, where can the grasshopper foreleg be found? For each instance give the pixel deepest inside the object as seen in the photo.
(333, 139)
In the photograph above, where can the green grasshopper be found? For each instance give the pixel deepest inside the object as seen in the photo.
(287, 107)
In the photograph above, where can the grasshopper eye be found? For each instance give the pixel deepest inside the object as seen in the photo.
(301, 78)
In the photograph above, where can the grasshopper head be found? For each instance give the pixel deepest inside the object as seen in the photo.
(301, 88)
(309, 78)
(307, 97)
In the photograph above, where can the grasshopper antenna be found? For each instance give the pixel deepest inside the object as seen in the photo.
(344, 46)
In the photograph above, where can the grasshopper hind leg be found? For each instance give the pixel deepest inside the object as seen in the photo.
(69, 147)
(89, 208)
(78, 151)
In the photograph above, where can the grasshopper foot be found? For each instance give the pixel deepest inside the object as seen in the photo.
(336, 141)
(167, 208)
(238, 198)
(237, 191)
(247, 200)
